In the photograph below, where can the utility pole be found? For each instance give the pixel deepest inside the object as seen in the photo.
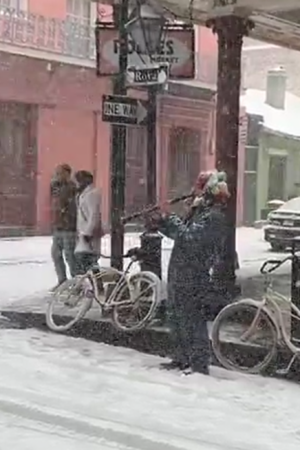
(151, 147)
(119, 143)
(230, 31)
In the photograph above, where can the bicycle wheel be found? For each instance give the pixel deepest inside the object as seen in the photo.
(69, 304)
(135, 301)
(244, 338)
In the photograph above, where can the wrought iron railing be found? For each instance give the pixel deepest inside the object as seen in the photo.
(68, 37)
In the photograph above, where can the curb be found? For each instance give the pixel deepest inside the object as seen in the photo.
(259, 224)
(154, 341)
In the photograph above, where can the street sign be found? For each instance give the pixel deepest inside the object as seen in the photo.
(123, 110)
(176, 49)
(147, 75)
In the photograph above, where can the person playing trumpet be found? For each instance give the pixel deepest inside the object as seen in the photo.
(198, 240)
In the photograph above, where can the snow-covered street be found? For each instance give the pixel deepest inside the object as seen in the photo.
(57, 392)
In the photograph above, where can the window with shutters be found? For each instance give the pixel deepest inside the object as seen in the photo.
(78, 28)
(184, 148)
(184, 161)
(277, 177)
(251, 159)
(79, 11)
(136, 170)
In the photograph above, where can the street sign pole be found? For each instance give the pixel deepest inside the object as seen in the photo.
(118, 149)
(151, 241)
(151, 146)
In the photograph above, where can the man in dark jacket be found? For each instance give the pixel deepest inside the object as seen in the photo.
(63, 211)
(197, 243)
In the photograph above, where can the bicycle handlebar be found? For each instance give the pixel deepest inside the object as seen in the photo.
(274, 263)
(133, 253)
(109, 256)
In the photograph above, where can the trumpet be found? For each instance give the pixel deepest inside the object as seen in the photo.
(153, 208)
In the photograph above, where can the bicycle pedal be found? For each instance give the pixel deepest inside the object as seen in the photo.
(285, 371)
(70, 303)
(282, 372)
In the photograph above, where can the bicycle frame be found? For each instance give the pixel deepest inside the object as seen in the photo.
(271, 303)
(103, 301)
(270, 307)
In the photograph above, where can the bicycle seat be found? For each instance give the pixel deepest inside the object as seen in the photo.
(95, 269)
(136, 253)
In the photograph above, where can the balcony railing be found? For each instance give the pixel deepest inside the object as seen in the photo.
(70, 38)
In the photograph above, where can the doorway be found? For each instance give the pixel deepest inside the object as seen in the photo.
(184, 161)
(136, 169)
(18, 165)
(250, 185)
(277, 177)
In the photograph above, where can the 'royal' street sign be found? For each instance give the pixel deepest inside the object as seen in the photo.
(147, 75)
(123, 110)
(176, 50)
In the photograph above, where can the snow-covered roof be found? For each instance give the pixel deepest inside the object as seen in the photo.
(283, 121)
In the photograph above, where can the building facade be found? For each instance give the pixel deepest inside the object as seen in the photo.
(49, 106)
(50, 113)
(273, 145)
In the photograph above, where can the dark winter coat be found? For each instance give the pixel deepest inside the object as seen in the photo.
(197, 246)
(63, 206)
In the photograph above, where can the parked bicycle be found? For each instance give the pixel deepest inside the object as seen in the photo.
(267, 328)
(128, 299)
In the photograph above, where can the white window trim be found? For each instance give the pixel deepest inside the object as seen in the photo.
(277, 152)
(259, 47)
(93, 13)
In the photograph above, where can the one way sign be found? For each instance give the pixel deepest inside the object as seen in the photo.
(124, 110)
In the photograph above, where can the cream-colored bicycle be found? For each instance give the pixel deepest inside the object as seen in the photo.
(128, 299)
(265, 325)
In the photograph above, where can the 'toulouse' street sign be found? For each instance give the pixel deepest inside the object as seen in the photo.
(147, 75)
(176, 49)
(123, 110)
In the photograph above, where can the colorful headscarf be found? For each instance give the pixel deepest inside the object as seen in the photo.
(213, 184)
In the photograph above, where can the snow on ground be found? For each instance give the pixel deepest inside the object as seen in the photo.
(57, 392)
(26, 267)
(62, 393)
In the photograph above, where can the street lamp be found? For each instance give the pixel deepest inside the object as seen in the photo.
(146, 27)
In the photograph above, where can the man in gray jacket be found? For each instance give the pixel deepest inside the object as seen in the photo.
(89, 228)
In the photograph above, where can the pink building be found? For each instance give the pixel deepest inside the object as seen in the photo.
(50, 109)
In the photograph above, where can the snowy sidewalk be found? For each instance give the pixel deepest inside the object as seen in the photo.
(70, 394)
(26, 268)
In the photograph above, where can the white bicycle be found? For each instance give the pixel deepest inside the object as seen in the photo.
(264, 325)
(129, 300)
